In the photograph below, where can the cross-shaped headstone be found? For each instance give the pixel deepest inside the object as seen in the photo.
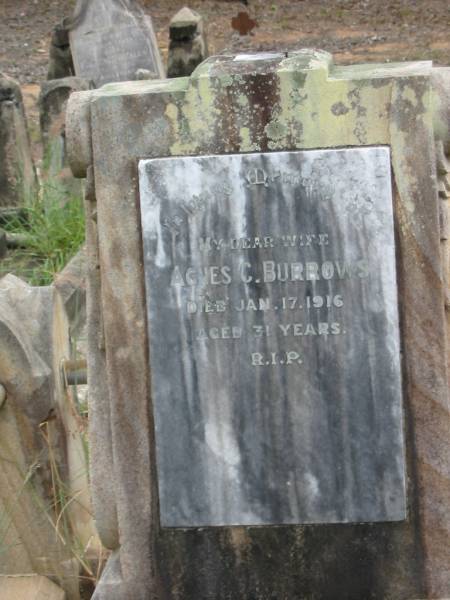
(243, 23)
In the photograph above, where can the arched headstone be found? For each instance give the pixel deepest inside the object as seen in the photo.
(111, 39)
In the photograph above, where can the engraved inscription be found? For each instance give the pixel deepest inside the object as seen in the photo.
(273, 333)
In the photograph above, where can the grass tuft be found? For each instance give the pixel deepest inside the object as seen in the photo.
(54, 231)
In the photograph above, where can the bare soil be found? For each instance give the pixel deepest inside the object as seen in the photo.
(353, 30)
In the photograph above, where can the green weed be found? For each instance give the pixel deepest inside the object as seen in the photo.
(53, 226)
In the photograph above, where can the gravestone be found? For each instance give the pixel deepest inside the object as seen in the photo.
(52, 111)
(267, 329)
(111, 39)
(17, 175)
(188, 47)
(60, 56)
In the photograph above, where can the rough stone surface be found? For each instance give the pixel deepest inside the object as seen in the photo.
(60, 61)
(274, 103)
(271, 278)
(188, 47)
(17, 175)
(111, 40)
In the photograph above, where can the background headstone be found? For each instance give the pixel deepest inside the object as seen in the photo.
(17, 175)
(188, 46)
(60, 62)
(52, 113)
(111, 39)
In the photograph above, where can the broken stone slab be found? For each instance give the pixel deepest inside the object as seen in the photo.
(188, 46)
(52, 113)
(61, 62)
(29, 587)
(34, 339)
(17, 174)
(111, 40)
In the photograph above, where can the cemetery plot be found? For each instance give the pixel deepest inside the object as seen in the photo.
(274, 337)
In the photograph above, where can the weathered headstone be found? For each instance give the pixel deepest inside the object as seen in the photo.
(17, 174)
(61, 62)
(278, 333)
(52, 111)
(188, 47)
(111, 40)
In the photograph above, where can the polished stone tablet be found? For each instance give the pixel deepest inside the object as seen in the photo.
(274, 337)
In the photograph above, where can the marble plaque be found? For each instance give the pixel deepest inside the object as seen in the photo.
(274, 337)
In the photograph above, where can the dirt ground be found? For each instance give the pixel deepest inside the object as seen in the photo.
(353, 30)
